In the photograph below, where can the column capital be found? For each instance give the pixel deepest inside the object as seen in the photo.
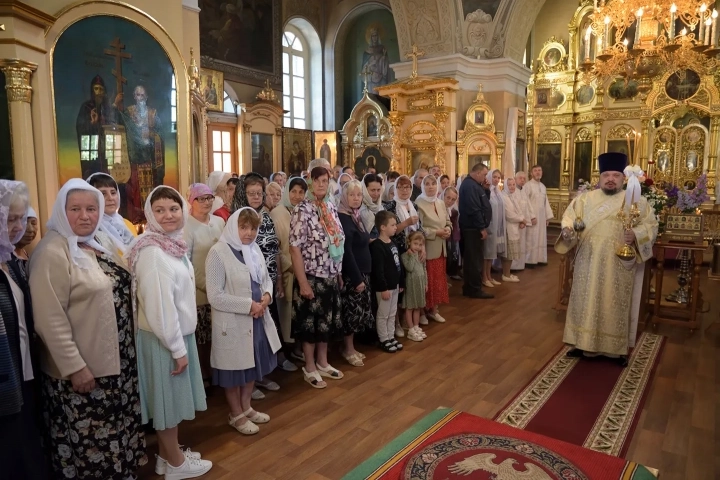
(17, 79)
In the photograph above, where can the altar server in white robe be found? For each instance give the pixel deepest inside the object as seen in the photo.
(530, 220)
(604, 304)
(536, 240)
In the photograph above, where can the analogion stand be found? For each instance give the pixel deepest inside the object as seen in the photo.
(669, 313)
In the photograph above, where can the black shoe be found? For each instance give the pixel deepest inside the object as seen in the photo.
(388, 347)
(530, 265)
(574, 353)
(481, 295)
(541, 264)
(622, 361)
(398, 346)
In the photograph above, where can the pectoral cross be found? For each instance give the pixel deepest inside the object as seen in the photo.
(414, 54)
(365, 72)
(117, 52)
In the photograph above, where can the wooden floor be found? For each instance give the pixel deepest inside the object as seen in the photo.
(476, 362)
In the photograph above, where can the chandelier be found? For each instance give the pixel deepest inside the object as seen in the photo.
(642, 39)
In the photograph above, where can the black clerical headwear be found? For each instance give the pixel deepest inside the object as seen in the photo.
(612, 162)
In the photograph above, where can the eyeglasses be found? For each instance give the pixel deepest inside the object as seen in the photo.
(254, 194)
(205, 199)
(404, 187)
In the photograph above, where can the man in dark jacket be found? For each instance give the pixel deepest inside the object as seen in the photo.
(475, 216)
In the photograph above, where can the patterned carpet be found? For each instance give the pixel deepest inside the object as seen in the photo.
(593, 402)
(448, 445)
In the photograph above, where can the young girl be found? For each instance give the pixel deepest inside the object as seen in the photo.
(386, 280)
(416, 286)
(245, 340)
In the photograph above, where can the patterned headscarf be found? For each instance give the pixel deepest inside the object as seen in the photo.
(328, 221)
(171, 243)
(240, 198)
(59, 223)
(11, 193)
(344, 206)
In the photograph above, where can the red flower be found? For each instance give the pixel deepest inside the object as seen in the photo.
(649, 182)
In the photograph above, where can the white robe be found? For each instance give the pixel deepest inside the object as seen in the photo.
(519, 264)
(536, 241)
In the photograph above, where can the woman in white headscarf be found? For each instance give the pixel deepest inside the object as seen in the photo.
(240, 290)
(21, 455)
(120, 230)
(494, 244)
(217, 181)
(83, 314)
(404, 209)
(437, 226)
(372, 189)
(171, 385)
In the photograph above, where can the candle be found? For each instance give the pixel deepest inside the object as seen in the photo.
(713, 39)
(637, 148)
(638, 15)
(627, 137)
(588, 32)
(703, 7)
(708, 23)
(673, 9)
(598, 46)
(607, 31)
(595, 4)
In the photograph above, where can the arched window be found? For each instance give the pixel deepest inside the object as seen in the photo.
(296, 79)
(228, 106)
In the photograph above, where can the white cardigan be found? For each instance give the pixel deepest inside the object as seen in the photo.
(166, 298)
(230, 294)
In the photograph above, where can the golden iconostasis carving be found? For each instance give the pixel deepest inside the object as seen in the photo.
(478, 141)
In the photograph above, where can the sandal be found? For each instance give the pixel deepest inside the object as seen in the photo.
(354, 360)
(247, 428)
(398, 346)
(314, 379)
(256, 417)
(268, 385)
(361, 355)
(388, 347)
(329, 372)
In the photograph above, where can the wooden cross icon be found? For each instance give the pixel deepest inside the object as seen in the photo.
(414, 54)
(117, 52)
(365, 72)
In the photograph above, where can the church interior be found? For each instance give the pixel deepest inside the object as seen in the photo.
(268, 85)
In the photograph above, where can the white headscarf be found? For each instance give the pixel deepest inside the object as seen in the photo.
(423, 195)
(114, 225)
(59, 223)
(338, 194)
(251, 253)
(405, 208)
(217, 181)
(368, 203)
(31, 213)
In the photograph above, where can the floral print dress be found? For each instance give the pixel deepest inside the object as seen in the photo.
(98, 435)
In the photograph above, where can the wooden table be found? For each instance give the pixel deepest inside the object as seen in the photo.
(680, 315)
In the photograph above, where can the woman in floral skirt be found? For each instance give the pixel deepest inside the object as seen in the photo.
(83, 314)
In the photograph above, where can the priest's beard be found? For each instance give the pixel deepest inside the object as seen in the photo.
(142, 107)
(611, 191)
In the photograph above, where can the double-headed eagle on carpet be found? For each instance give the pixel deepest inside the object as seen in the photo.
(502, 471)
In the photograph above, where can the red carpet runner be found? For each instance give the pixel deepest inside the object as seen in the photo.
(594, 403)
(451, 445)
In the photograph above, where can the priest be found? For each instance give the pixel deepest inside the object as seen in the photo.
(604, 304)
(536, 241)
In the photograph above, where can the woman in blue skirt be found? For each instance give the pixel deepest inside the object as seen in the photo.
(244, 337)
(163, 284)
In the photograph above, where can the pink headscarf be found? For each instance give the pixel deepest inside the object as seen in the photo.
(198, 190)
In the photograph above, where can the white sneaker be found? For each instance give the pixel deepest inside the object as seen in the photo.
(399, 332)
(423, 320)
(191, 468)
(422, 333)
(257, 394)
(511, 278)
(414, 335)
(161, 463)
(437, 317)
